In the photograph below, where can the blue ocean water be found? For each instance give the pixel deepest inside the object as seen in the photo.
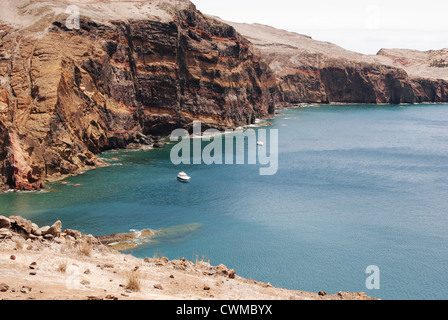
(356, 186)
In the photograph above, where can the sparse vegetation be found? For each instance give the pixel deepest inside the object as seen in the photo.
(62, 267)
(442, 63)
(85, 249)
(202, 261)
(134, 281)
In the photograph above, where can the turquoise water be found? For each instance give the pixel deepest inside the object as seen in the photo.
(356, 186)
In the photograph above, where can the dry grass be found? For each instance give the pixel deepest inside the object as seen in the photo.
(201, 262)
(134, 281)
(62, 267)
(85, 249)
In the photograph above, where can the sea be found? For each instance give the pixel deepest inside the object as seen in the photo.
(359, 203)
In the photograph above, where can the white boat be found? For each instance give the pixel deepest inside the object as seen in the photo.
(183, 177)
(260, 143)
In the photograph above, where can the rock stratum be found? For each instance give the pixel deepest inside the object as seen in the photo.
(311, 71)
(135, 70)
(132, 71)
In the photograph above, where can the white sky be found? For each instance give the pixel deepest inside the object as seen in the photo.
(362, 26)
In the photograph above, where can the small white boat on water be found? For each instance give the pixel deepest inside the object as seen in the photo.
(183, 177)
(260, 143)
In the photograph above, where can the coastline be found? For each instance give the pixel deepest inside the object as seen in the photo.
(67, 265)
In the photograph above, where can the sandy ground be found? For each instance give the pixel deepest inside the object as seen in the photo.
(60, 271)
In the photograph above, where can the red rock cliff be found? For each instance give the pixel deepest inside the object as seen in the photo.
(67, 95)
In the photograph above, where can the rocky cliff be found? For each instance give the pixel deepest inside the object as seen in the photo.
(131, 71)
(310, 71)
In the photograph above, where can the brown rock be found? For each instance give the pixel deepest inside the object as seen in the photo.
(223, 270)
(43, 230)
(55, 230)
(322, 293)
(12, 257)
(3, 287)
(73, 233)
(5, 222)
(5, 234)
(158, 286)
(21, 225)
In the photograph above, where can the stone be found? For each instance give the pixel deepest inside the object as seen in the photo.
(5, 234)
(43, 230)
(73, 233)
(3, 287)
(55, 230)
(21, 225)
(158, 286)
(35, 230)
(26, 289)
(85, 282)
(223, 270)
(12, 257)
(5, 222)
(322, 293)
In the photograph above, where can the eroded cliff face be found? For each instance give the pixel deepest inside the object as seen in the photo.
(310, 71)
(375, 84)
(67, 95)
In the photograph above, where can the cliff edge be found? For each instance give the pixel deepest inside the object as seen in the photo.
(311, 71)
(128, 73)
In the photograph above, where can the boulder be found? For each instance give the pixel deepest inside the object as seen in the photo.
(21, 225)
(35, 229)
(73, 233)
(55, 230)
(223, 270)
(5, 222)
(43, 230)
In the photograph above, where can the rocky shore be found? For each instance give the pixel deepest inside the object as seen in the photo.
(134, 71)
(52, 263)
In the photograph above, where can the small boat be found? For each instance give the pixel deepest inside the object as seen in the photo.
(260, 143)
(183, 177)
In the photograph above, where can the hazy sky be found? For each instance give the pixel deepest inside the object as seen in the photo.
(362, 26)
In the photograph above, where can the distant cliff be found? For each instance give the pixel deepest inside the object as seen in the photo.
(310, 71)
(118, 80)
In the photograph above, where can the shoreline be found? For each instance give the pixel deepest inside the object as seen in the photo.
(67, 265)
